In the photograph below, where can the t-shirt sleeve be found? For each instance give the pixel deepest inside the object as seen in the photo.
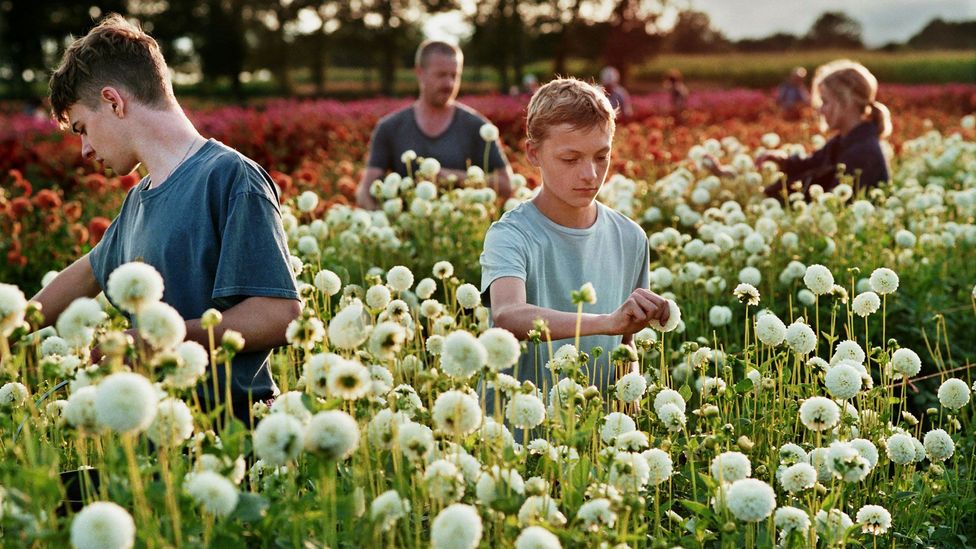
(253, 251)
(504, 255)
(381, 147)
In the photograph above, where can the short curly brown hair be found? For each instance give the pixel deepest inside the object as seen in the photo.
(568, 101)
(114, 53)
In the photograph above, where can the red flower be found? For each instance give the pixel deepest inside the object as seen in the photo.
(20, 206)
(128, 181)
(46, 199)
(96, 229)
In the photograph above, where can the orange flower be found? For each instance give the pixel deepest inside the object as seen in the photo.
(96, 229)
(128, 181)
(78, 233)
(52, 221)
(20, 206)
(72, 211)
(46, 199)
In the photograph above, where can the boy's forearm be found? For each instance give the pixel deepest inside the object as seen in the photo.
(261, 320)
(77, 280)
(519, 320)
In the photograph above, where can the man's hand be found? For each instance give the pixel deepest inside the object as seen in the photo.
(640, 308)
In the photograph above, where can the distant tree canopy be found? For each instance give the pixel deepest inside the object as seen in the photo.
(229, 41)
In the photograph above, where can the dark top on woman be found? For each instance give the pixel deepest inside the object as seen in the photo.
(859, 151)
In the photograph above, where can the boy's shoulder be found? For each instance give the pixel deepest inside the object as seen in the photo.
(236, 173)
(627, 226)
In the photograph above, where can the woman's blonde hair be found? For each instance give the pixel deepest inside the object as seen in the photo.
(853, 84)
(568, 101)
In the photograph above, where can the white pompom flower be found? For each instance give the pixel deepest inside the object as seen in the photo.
(456, 412)
(103, 525)
(399, 278)
(347, 329)
(801, 338)
(954, 393)
(843, 381)
(660, 466)
(463, 355)
(161, 325)
(172, 425)
(13, 307)
(866, 304)
(770, 330)
(750, 500)
(874, 519)
(215, 493)
(456, 527)
(126, 402)
(334, 434)
(819, 413)
(939, 446)
(818, 279)
(525, 411)
(502, 348)
(537, 537)
(134, 285)
(631, 387)
(674, 318)
(884, 281)
(77, 323)
(730, 467)
(278, 439)
(905, 362)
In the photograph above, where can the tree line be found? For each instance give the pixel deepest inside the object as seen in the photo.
(221, 40)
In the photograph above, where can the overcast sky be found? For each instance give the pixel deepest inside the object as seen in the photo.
(883, 21)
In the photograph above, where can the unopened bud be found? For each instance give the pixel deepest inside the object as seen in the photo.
(211, 318)
(745, 444)
(233, 341)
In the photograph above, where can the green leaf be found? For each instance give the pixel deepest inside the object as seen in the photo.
(251, 507)
(695, 507)
(685, 392)
(743, 386)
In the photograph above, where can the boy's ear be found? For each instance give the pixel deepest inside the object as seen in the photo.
(532, 152)
(114, 100)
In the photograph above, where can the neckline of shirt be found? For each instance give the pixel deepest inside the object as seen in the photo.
(572, 231)
(171, 181)
(432, 138)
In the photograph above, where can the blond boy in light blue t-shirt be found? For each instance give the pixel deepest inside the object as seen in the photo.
(542, 250)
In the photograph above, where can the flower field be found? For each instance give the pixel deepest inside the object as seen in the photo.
(811, 389)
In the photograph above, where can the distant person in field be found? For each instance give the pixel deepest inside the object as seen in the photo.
(619, 98)
(792, 95)
(205, 216)
(435, 126)
(541, 251)
(674, 84)
(844, 94)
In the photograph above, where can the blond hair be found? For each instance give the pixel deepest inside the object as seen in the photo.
(568, 101)
(114, 53)
(853, 84)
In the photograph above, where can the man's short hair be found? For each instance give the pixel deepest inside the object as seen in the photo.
(439, 47)
(114, 53)
(568, 101)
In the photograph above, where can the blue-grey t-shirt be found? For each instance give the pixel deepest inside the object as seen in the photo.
(456, 148)
(213, 231)
(554, 261)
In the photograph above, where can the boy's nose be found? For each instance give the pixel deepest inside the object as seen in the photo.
(589, 171)
(87, 152)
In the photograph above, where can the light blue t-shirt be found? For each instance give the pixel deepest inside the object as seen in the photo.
(554, 261)
(213, 231)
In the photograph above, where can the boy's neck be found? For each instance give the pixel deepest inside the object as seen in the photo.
(169, 140)
(561, 213)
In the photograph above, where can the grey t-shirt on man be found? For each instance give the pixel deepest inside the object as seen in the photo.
(554, 261)
(457, 147)
(213, 231)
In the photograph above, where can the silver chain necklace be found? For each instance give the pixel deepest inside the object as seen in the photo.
(178, 164)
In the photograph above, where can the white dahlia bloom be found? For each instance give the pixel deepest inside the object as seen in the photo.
(502, 348)
(172, 425)
(819, 413)
(161, 325)
(456, 412)
(537, 537)
(386, 340)
(770, 330)
(77, 323)
(938, 445)
(750, 500)
(80, 410)
(468, 296)
(629, 472)
(905, 362)
(134, 285)
(488, 132)
(660, 466)
(884, 281)
(791, 519)
(307, 201)
(426, 288)
(525, 411)
(348, 380)
(848, 350)
(126, 402)
(193, 363)
(334, 434)
(444, 481)
(596, 514)
(388, 508)
(13, 306)
(843, 381)
(103, 525)
(900, 448)
(378, 296)
(801, 338)
(866, 304)
(832, 525)
(328, 282)
(347, 329)
(456, 527)
(399, 278)
(818, 279)
(846, 463)
(730, 467)
(212, 491)
(674, 319)
(498, 484)
(13, 394)
(540, 509)
(874, 519)
(616, 424)
(719, 315)
(278, 439)
(292, 403)
(416, 440)
(631, 387)
(668, 396)
(672, 417)
(463, 355)
(798, 477)
(954, 393)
